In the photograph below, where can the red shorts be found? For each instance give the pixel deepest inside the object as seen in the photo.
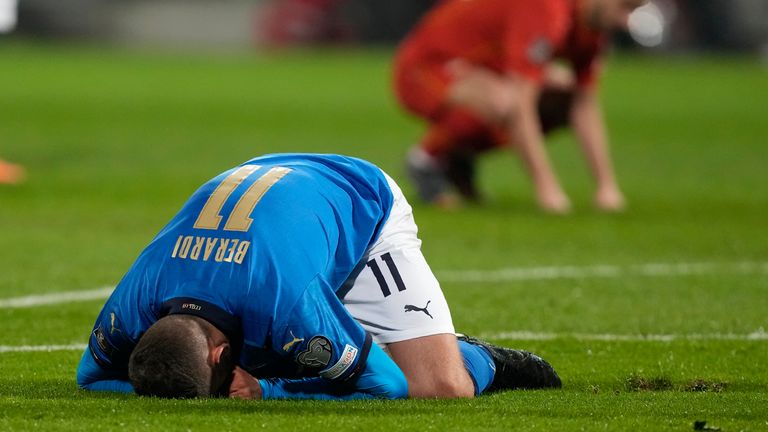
(421, 86)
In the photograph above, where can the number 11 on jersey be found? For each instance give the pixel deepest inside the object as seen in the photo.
(240, 217)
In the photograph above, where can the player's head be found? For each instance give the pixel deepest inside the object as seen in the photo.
(181, 356)
(608, 15)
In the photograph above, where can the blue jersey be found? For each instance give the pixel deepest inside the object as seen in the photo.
(260, 251)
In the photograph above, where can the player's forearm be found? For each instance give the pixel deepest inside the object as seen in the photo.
(90, 376)
(114, 386)
(589, 126)
(308, 388)
(323, 389)
(527, 138)
(381, 379)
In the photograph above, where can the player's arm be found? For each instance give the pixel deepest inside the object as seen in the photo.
(104, 364)
(525, 132)
(318, 334)
(91, 376)
(533, 31)
(380, 378)
(588, 124)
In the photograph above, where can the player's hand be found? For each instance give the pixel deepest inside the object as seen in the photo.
(244, 386)
(610, 199)
(553, 200)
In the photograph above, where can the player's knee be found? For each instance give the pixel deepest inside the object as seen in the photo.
(453, 389)
(444, 387)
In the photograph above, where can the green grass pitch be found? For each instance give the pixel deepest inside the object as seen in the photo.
(655, 318)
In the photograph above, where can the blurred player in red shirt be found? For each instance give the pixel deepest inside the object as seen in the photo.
(485, 74)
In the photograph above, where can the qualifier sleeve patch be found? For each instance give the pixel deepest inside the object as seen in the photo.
(318, 354)
(347, 359)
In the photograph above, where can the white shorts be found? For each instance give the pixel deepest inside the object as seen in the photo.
(396, 297)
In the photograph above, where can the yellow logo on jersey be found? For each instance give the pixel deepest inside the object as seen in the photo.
(112, 328)
(290, 344)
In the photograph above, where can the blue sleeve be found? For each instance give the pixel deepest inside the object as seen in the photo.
(380, 379)
(90, 376)
(120, 324)
(320, 335)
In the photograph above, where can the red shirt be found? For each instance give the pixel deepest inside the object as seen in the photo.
(518, 36)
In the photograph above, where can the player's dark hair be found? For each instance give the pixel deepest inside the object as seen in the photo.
(170, 360)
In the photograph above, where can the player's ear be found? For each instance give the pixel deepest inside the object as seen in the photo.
(221, 369)
(220, 353)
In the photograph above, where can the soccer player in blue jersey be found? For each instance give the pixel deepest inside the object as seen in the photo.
(288, 277)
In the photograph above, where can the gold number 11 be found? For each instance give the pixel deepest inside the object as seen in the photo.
(240, 218)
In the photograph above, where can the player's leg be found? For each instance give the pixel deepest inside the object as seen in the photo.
(420, 87)
(420, 358)
(397, 299)
(446, 156)
(460, 126)
(514, 369)
(466, 137)
(488, 95)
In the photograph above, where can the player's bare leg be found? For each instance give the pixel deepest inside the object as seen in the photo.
(11, 173)
(500, 100)
(433, 367)
(482, 91)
